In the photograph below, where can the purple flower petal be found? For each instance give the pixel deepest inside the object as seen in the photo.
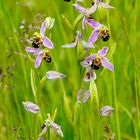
(93, 23)
(79, 35)
(54, 75)
(57, 128)
(85, 64)
(43, 28)
(83, 95)
(105, 5)
(97, 1)
(107, 64)
(31, 107)
(47, 42)
(38, 60)
(32, 50)
(79, 8)
(79, 95)
(106, 110)
(93, 37)
(103, 51)
(71, 45)
(86, 96)
(84, 22)
(44, 130)
(92, 9)
(90, 75)
(90, 58)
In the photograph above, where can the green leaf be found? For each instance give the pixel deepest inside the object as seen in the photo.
(67, 109)
(54, 114)
(42, 82)
(33, 83)
(68, 23)
(94, 95)
(77, 20)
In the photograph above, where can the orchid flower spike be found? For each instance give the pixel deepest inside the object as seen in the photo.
(78, 39)
(40, 38)
(41, 54)
(94, 62)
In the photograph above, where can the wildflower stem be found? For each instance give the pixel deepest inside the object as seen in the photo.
(48, 134)
(76, 119)
(95, 108)
(116, 107)
(65, 99)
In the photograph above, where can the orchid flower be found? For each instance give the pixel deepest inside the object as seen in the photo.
(85, 12)
(41, 38)
(31, 107)
(100, 3)
(49, 124)
(100, 31)
(54, 75)
(83, 95)
(89, 75)
(106, 111)
(95, 61)
(41, 54)
(78, 39)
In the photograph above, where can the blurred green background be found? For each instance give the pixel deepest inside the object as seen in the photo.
(119, 89)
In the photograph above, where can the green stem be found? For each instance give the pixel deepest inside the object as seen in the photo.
(76, 120)
(116, 106)
(65, 98)
(95, 111)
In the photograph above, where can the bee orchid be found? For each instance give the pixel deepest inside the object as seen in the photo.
(53, 75)
(41, 54)
(100, 3)
(106, 111)
(49, 124)
(94, 62)
(31, 107)
(86, 12)
(100, 31)
(83, 95)
(78, 39)
(40, 38)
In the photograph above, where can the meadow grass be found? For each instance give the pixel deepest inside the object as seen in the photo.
(20, 81)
